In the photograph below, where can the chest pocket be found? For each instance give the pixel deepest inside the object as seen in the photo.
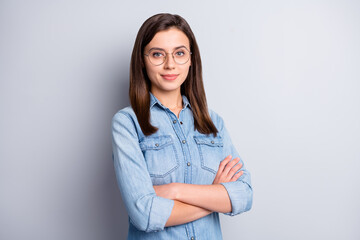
(211, 151)
(160, 155)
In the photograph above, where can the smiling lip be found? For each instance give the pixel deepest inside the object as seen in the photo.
(170, 76)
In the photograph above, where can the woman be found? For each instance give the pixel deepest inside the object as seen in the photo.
(175, 164)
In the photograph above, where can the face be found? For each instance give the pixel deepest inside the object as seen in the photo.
(169, 76)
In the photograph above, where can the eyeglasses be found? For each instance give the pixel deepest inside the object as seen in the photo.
(158, 56)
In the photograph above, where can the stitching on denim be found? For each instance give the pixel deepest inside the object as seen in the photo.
(159, 148)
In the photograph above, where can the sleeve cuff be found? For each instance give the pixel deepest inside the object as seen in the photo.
(240, 194)
(160, 212)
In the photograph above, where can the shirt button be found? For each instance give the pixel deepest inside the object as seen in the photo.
(181, 123)
(192, 238)
(183, 141)
(156, 144)
(212, 142)
(188, 163)
(174, 121)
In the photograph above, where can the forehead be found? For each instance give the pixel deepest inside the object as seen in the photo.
(169, 39)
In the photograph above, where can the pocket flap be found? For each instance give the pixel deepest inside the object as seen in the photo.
(155, 142)
(209, 140)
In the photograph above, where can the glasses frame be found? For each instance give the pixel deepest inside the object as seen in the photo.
(166, 53)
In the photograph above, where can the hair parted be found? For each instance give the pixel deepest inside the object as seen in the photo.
(192, 88)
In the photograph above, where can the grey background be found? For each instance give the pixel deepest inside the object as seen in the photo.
(283, 74)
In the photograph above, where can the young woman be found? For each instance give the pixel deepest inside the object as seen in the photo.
(175, 164)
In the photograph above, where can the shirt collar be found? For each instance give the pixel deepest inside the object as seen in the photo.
(154, 100)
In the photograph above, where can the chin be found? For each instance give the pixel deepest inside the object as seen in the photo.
(171, 89)
(170, 86)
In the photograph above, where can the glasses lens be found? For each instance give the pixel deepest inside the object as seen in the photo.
(181, 56)
(157, 57)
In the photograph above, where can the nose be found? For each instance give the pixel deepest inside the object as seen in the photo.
(169, 61)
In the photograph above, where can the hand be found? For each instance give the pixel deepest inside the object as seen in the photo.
(227, 170)
(166, 191)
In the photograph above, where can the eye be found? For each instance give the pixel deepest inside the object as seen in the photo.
(180, 53)
(157, 54)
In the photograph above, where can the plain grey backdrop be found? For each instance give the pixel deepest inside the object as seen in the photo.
(283, 74)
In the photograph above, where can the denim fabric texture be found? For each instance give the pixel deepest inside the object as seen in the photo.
(175, 153)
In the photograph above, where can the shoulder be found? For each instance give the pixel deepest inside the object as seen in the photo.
(125, 117)
(127, 111)
(217, 119)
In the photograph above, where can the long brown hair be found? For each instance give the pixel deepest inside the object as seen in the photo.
(192, 88)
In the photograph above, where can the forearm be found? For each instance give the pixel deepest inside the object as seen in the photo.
(212, 197)
(184, 213)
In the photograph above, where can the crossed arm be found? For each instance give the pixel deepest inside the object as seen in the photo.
(187, 202)
(192, 201)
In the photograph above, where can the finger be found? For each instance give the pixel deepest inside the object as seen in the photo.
(236, 176)
(230, 165)
(223, 164)
(234, 170)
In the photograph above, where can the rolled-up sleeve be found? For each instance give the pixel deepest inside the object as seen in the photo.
(147, 211)
(240, 192)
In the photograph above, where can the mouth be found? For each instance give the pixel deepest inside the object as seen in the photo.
(170, 77)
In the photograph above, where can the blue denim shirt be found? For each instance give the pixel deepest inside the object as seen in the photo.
(175, 153)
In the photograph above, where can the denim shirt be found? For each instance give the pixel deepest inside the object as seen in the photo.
(175, 153)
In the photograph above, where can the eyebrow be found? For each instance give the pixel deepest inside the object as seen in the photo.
(156, 48)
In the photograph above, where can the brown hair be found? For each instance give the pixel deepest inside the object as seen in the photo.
(192, 88)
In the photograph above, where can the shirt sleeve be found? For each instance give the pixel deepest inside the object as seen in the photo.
(240, 192)
(147, 211)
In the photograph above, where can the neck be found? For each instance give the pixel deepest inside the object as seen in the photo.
(170, 100)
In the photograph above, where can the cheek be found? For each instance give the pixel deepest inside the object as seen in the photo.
(151, 71)
(186, 69)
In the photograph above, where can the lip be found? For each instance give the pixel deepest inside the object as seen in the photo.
(170, 77)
